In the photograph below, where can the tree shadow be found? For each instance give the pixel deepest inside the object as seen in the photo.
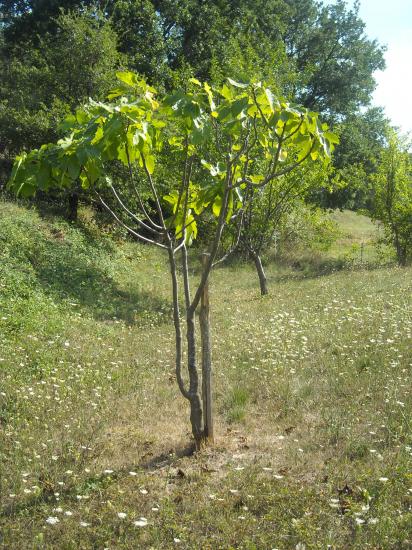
(97, 482)
(80, 271)
(165, 459)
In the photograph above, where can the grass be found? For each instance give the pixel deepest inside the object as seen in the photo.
(312, 388)
(358, 242)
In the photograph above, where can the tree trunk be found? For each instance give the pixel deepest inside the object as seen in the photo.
(261, 274)
(190, 394)
(208, 431)
(400, 251)
(194, 399)
(73, 204)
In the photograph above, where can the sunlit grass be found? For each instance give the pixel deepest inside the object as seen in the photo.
(358, 241)
(312, 387)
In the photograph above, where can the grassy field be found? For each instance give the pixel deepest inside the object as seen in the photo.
(313, 402)
(357, 243)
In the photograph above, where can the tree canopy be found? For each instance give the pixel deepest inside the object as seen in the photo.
(56, 54)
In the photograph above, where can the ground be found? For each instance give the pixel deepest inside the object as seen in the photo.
(312, 389)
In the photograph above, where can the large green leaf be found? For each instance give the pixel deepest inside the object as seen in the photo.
(128, 78)
(237, 84)
(217, 205)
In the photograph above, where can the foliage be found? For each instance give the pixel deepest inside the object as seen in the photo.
(307, 228)
(392, 185)
(316, 53)
(362, 137)
(267, 210)
(267, 213)
(333, 55)
(256, 129)
(42, 83)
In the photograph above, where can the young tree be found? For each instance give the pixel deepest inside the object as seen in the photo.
(224, 142)
(265, 209)
(392, 186)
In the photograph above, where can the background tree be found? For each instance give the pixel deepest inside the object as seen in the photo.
(304, 49)
(393, 195)
(333, 56)
(42, 83)
(361, 139)
(330, 59)
(266, 209)
(227, 141)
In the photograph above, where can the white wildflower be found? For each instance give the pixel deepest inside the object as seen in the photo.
(52, 520)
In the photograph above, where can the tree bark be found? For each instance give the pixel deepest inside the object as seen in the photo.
(400, 251)
(261, 274)
(194, 399)
(208, 431)
(73, 203)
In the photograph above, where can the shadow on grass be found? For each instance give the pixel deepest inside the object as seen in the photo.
(167, 459)
(80, 271)
(98, 482)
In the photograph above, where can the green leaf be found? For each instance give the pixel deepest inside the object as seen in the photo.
(230, 206)
(27, 188)
(172, 198)
(128, 78)
(150, 163)
(237, 84)
(191, 229)
(283, 155)
(43, 177)
(216, 170)
(73, 167)
(304, 150)
(239, 105)
(217, 205)
(270, 98)
(93, 171)
(331, 137)
(256, 179)
(226, 92)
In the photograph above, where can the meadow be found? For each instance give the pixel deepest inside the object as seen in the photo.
(312, 387)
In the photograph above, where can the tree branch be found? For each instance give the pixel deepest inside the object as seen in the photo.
(132, 231)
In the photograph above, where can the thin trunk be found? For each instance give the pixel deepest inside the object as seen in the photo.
(261, 274)
(194, 399)
(177, 325)
(73, 206)
(206, 360)
(400, 250)
(193, 394)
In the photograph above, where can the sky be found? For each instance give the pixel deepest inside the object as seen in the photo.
(390, 22)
